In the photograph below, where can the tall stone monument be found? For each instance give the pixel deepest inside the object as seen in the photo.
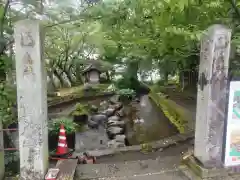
(212, 95)
(2, 163)
(32, 100)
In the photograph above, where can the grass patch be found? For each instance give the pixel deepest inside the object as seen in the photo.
(171, 110)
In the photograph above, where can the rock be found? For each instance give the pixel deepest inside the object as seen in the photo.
(120, 138)
(113, 131)
(119, 106)
(120, 113)
(109, 112)
(116, 106)
(99, 118)
(92, 124)
(114, 118)
(116, 123)
(114, 99)
(103, 105)
(94, 109)
(115, 144)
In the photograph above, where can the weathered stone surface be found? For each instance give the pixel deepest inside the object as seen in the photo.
(115, 144)
(120, 138)
(2, 163)
(116, 123)
(103, 105)
(113, 131)
(211, 99)
(91, 139)
(93, 124)
(152, 169)
(94, 109)
(118, 106)
(114, 118)
(109, 112)
(120, 113)
(32, 100)
(114, 99)
(99, 118)
(203, 173)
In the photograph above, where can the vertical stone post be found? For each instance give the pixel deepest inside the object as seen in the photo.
(32, 100)
(212, 95)
(2, 162)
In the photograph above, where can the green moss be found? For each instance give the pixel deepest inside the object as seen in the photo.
(171, 110)
(77, 92)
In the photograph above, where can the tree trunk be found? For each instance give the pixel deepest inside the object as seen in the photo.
(132, 69)
(78, 75)
(108, 76)
(68, 74)
(50, 75)
(166, 77)
(62, 83)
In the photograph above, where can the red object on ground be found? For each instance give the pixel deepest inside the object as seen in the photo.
(86, 159)
(62, 147)
(52, 174)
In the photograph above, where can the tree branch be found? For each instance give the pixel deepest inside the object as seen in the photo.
(237, 11)
(2, 21)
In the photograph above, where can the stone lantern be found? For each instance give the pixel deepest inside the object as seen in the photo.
(91, 74)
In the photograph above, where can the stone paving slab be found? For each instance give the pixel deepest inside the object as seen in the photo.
(161, 144)
(191, 176)
(167, 175)
(91, 140)
(127, 169)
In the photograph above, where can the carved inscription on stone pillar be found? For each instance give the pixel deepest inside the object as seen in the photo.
(218, 99)
(32, 100)
(211, 100)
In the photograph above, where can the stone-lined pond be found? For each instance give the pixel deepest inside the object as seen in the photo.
(114, 125)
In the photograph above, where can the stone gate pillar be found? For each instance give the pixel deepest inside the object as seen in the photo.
(212, 95)
(2, 162)
(32, 100)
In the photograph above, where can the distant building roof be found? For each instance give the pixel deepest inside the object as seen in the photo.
(91, 67)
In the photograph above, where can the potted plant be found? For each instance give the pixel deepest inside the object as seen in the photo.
(126, 95)
(80, 114)
(70, 127)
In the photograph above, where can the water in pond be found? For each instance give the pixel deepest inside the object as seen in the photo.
(156, 125)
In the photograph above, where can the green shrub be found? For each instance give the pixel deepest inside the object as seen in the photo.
(8, 100)
(69, 125)
(123, 83)
(80, 109)
(126, 94)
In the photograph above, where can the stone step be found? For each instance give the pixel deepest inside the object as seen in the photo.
(161, 168)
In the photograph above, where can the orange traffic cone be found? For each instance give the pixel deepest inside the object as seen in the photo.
(62, 147)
